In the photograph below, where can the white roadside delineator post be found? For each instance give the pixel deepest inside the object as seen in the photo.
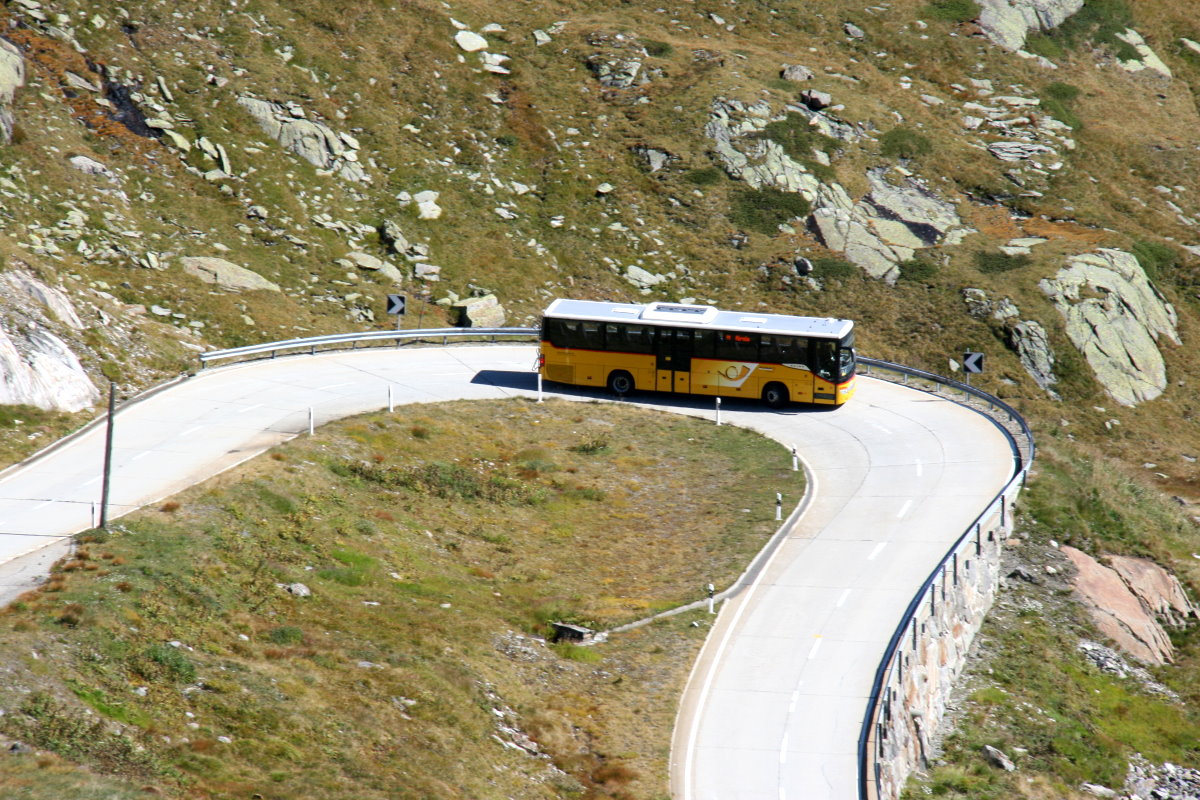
(795, 460)
(311, 420)
(391, 401)
(778, 506)
(718, 411)
(711, 591)
(539, 387)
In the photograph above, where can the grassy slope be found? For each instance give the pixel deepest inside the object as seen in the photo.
(433, 541)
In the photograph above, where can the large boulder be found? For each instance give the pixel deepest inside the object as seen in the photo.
(480, 312)
(1009, 22)
(1115, 316)
(226, 275)
(12, 77)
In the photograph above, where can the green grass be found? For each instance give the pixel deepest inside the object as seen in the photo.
(905, 143)
(952, 10)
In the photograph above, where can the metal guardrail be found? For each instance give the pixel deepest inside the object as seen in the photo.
(1023, 454)
(336, 340)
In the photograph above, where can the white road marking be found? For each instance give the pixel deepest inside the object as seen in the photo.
(878, 549)
(842, 600)
(904, 508)
(89, 481)
(41, 505)
(142, 454)
(332, 386)
(881, 428)
(190, 431)
(783, 750)
(795, 697)
(250, 408)
(816, 646)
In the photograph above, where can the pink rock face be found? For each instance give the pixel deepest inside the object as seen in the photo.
(1117, 611)
(1157, 588)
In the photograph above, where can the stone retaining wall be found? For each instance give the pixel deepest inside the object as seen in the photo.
(932, 653)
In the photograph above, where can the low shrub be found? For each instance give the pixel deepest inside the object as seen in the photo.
(163, 660)
(918, 270)
(657, 49)
(286, 634)
(705, 176)
(833, 268)
(592, 447)
(764, 210)
(996, 262)
(1057, 99)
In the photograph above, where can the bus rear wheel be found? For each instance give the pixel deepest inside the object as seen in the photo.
(620, 382)
(775, 395)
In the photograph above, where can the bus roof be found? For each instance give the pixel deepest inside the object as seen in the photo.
(679, 315)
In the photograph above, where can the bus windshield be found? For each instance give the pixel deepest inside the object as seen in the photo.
(846, 358)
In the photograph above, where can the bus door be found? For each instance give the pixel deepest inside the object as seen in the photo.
(674, 373)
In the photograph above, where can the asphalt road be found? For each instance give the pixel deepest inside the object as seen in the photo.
(774, 702)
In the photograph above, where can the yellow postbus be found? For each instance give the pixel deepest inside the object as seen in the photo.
(672, 347)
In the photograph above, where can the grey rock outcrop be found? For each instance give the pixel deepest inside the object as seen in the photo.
(877, 233)
(315, 142)
(1115, 316)
(1147, 59)
(12, 77)
(37, 368)
(225, 274)
(909, 214)
(23, 287)
(1009, 22)
(1118, 612)
(1028, 338)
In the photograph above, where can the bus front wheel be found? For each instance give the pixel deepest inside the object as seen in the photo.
(775, 395)
(620, 383)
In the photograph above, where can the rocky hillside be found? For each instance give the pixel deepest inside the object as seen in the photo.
(1011, 176)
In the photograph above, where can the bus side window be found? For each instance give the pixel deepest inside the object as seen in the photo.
(770, 348)
(737, 346)
(639, 339)
(704, 344)
(614, 336)
(796, 352)
(592, 336)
